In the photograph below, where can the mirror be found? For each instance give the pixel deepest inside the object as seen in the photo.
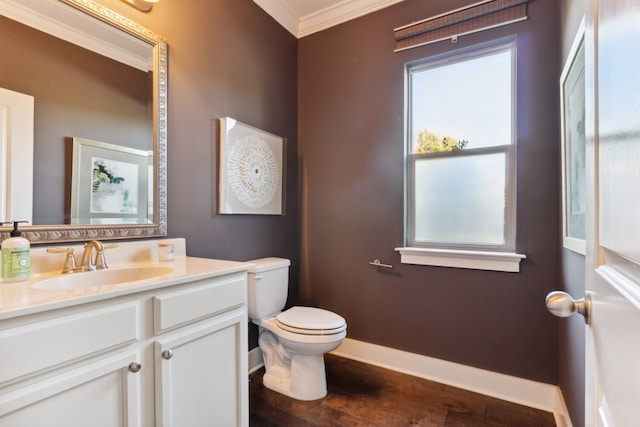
(121, 108)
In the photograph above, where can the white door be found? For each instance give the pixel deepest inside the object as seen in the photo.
(612, 44)
(16, 156)
(612, 64)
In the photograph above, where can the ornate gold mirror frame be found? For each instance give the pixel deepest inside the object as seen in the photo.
(73, 232)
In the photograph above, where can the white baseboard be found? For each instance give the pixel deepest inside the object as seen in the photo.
(534, 394)
(560, 411)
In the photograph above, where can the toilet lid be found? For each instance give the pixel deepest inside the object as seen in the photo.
(311, 321)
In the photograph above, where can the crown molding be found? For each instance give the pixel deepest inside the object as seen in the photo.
(57, 19)
(339, 13)
(282, 13)
(301, 26)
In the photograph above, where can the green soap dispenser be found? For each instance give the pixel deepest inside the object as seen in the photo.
(16, 256)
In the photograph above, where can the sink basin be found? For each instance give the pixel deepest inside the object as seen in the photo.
(107, 277)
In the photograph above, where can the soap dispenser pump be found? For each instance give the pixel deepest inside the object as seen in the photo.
(16, 256)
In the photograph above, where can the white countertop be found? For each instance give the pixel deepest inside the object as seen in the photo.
(21, 298)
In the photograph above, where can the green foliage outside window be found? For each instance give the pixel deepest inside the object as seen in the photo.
(429, 142)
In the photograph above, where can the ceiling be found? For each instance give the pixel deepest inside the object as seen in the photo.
(304, 17)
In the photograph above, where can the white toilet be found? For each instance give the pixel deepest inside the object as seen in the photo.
(293, 342)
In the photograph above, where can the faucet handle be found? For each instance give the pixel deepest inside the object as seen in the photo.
(101, 261)
(69, 261)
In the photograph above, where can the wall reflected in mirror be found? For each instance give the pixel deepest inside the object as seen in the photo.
(78, 93)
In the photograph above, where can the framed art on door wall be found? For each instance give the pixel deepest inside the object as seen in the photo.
(251, 170)
(572, 90)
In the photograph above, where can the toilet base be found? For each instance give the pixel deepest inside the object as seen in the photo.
(299, 376)
(307, 379)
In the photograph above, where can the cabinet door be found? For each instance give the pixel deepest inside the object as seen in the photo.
(103, 392)
(201, 374)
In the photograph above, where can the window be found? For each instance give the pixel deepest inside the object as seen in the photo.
(461, 155)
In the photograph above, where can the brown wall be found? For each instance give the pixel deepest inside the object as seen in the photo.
(571, 345)
(351, 157)
(226, 58)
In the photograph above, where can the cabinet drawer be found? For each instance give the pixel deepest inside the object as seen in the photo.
(206, 298)
(61, 340)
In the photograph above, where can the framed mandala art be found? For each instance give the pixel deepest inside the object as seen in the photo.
(251, 170)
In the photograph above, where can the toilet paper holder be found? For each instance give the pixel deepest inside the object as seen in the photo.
(377, 263)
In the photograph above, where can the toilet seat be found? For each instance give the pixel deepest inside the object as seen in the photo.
(311, 321)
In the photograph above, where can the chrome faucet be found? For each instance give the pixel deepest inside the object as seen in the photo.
(87, 263)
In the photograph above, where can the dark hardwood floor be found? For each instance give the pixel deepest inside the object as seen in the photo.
(365, 395)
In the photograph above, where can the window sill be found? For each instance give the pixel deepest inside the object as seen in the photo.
(479, 260)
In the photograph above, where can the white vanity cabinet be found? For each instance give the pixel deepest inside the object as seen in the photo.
(199, 380)
(44, 385)
(201, 369)
(101, 393)
(171, 356)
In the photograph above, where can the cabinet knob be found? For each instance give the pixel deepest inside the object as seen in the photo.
(167, 354)
(134, 367)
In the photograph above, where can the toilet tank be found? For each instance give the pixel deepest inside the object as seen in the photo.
(267, 287)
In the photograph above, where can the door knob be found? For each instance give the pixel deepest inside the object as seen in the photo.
(562, 305)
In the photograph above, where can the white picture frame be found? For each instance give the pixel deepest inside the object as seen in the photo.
(109, 184)
(572, 106)
(251, 170)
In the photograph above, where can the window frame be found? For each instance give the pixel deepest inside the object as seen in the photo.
(482, 256)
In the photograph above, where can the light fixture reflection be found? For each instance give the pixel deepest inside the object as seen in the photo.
(143, 5)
